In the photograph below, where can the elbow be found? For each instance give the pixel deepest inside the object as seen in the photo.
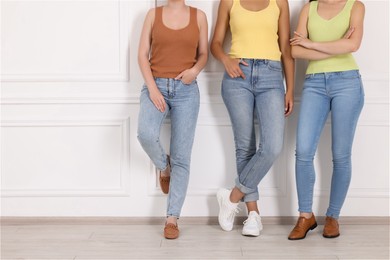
(294, 53)
(214, 47)
(352, 45)
(212, 51)
(286, 52)
(139, 60)
(140, 57)
(205, 56)
(355, 47)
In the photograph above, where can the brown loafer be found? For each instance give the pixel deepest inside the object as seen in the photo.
(171, 231)
(164, 183)
(165, 180)
(331, 228)
(302, 227)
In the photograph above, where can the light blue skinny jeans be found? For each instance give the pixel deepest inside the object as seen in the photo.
(261, 93)
(183, 105)
(340, 93)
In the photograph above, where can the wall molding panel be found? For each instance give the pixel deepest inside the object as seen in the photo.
(121, 49)
(122, 190)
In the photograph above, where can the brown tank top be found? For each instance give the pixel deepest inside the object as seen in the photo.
(173, 51)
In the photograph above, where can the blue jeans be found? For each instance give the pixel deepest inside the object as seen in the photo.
(261, 93)
(183, 105)
(342, 94)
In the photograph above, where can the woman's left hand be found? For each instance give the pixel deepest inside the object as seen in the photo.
(288, 104)
(298, 39)
(187, 76)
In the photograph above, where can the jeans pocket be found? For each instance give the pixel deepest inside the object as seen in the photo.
(309, 76)
(275, 65)
(189, 84)
(350, 74)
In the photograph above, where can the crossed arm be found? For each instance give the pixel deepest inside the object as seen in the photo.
(304, 48)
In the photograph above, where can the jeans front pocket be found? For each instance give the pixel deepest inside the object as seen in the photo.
(350, 74)
(274, 65)
(189, 84)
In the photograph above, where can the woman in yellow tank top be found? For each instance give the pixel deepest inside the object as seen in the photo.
(328, 32)
(253, 84)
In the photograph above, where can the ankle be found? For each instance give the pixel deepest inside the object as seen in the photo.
(171, 220)
(236, 195)
(166, 172)
(306, 215)
(252, 206)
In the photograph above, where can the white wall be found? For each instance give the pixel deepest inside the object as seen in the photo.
(70, 88)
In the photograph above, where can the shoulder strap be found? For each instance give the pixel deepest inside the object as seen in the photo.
(313, 6)
(349, 5)
(158, 15)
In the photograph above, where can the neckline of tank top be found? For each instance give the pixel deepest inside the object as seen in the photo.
(334, 17)
(251, 11)
(180, 29)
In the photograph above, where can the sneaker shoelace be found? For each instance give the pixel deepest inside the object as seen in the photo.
(230, 216)
(250, 218)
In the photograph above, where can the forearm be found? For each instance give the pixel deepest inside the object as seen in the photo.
(300, 52)
(341, 46)
(146, 71)
(289, 72)
(201, 63)
(218, 52)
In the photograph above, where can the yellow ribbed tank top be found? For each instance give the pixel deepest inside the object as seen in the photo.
(255, 33)
(322, 30)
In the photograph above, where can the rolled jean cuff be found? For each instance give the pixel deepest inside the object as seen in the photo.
(243, 188)
(173, 215)
(332, 214)
(168, 215)
(254, 196)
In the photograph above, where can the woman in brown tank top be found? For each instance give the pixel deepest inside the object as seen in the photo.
(173, 50)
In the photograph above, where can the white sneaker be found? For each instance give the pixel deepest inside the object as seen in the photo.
(252, 226)
(227, 209)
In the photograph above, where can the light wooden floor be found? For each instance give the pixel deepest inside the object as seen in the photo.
(53, 241)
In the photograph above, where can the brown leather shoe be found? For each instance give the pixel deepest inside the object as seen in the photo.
(164, 181)
(302, 227)
(331, 228)
(171, 231)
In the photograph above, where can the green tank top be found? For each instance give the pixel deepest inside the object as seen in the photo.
(322, 30)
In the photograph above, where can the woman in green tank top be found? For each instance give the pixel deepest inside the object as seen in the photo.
(328, 32)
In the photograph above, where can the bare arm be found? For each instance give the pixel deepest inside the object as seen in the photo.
(300, 52)
(189, 75)
(288, 61)
(231, 65)
(144, 64)
(342, 46)
(221, 27)
(346, 45)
